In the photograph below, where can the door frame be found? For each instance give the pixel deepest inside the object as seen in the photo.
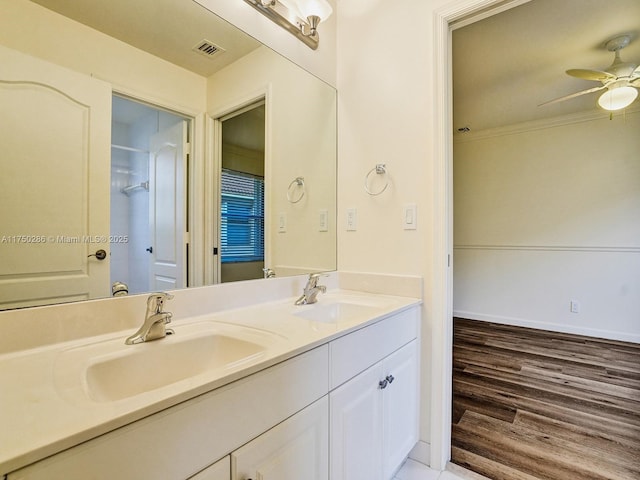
(194, 178)
(454, 14)
(213, 167)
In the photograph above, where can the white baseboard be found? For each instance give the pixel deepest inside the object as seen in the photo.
(554, 327)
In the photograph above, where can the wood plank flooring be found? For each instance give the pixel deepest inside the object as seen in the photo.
(536, 405)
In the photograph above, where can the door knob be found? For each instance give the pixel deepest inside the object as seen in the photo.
(100, 254)
(150, 249)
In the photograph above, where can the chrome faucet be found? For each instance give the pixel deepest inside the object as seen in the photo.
(268, 273)
(311, 290)
(155, 320)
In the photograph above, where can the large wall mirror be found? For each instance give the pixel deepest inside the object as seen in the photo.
(194, 155)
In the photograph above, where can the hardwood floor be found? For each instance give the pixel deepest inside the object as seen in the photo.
(532, 405)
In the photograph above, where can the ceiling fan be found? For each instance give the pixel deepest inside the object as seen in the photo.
(621, 80)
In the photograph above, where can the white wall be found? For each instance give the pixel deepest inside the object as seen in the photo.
(385, 115)
(547, 213)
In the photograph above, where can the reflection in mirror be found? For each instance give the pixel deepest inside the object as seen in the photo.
(242, 194)
(147, 195)
(107, 153)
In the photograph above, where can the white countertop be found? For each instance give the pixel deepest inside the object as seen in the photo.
(40, 414)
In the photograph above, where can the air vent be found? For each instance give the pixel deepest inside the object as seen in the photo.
(207, 48)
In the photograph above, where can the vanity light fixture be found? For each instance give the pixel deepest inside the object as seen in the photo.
(299, 17)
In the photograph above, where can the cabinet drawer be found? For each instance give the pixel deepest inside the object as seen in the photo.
(182, 440)
(354, 353)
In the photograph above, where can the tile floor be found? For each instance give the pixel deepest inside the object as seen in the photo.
(413, 470)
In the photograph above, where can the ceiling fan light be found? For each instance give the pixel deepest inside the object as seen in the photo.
(618, 98)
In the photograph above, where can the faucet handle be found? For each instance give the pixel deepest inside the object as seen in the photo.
(155, 302)
(317, 275)
(314, 277)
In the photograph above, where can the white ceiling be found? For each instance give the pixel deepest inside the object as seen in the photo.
(168, 29)
(506, 65)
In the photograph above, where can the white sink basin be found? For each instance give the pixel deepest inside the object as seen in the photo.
(335, 312)
(110, 370)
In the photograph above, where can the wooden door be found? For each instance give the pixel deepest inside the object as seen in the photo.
(55, 134)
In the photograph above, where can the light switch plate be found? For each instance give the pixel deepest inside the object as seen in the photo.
(282, 222)
(352, 219)
(409, 220)
(323, 220)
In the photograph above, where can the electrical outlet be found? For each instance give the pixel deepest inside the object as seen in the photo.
(575, 306)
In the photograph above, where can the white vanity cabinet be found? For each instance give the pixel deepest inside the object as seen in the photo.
(374, 416)
(323, 414)
(298, 448)
(221, 470)
(183, 440)
(399, 407)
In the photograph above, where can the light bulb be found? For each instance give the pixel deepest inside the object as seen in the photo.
(618, 98)
(314, 8)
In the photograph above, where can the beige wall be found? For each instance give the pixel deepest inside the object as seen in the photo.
(547, 213)
(300, 141)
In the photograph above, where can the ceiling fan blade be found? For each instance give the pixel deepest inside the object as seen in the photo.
(573, 95)
(596, 75)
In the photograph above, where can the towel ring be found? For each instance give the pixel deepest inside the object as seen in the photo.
(297, 182)
(380, 169)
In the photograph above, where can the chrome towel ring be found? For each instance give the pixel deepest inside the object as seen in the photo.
(296, 184)
(379, 169)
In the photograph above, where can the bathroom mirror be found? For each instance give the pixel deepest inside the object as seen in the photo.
(287, 227)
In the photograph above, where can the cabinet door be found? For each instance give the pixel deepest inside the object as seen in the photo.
(221, 470)
(400, 407)
(297, 448)
(356, 436)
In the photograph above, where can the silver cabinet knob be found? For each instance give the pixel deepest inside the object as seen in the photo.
(390, 378)
(383, 384)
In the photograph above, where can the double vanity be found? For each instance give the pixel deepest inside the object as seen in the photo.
(267, 390)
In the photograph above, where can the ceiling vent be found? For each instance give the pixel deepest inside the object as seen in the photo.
(207, 48)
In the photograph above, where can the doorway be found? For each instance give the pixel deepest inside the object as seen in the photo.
(445, 146)
(149, 155)
(442, 300)
(242, 194)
